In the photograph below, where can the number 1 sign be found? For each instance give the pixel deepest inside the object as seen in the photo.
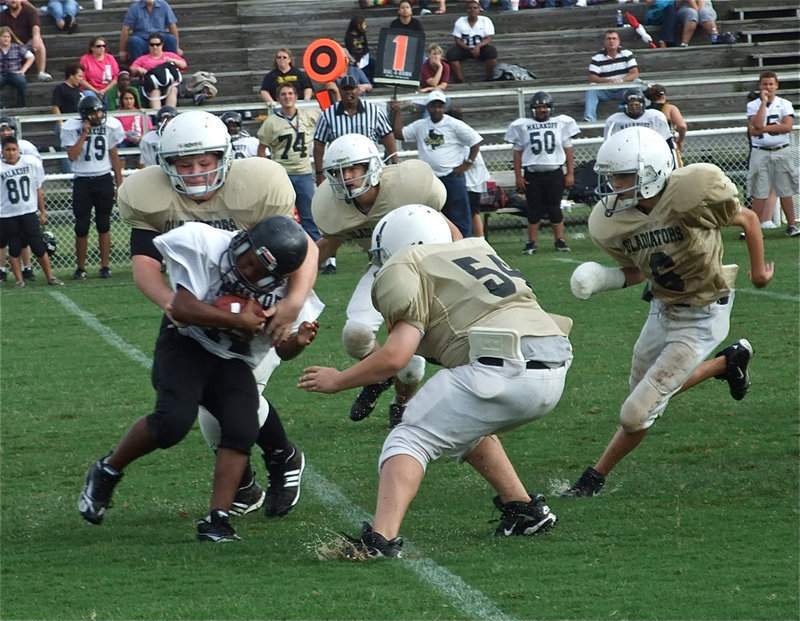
(400, 55)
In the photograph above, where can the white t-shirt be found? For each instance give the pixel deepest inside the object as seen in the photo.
(19, 185)
(93, 160)
(542, 142)
(778, 109)
(472, 35)
(442, 144)
(148, 148)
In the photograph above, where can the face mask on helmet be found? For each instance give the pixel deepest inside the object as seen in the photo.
(343, 154)
(634, 103)
(280, 246)
(410, 225)
(191, 134)
(639, 152)
(92, 109)
(541, 99)
(164, 115)
(233, 121)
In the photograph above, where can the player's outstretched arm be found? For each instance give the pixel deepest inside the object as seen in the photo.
(295, 344)
(590, 277)
(384, 363)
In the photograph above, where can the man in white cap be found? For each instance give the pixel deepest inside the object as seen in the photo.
(442, 141)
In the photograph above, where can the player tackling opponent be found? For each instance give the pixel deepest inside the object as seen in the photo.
(197, 180)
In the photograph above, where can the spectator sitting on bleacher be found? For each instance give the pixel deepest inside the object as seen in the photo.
(161, 73)
(283, 71)
(435, 72)
(23, 19)
(144, 18)
(473, 35)
(64, 14)
(100, 69)
(505, 5)
(665, 14)
(123, 85)
(612, 65)
(692, 12)
(357, 46)
(132, 125)
(404, 19)
(15, 60)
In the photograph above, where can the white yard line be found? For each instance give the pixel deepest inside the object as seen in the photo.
(473, 603)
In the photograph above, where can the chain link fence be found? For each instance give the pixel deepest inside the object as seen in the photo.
(727, 148)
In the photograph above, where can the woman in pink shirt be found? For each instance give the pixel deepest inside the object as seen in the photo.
(100, 69)
(161, 73)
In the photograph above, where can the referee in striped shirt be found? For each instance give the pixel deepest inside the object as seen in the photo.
(352, 116)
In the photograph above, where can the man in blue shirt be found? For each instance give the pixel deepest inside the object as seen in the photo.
(144, 18)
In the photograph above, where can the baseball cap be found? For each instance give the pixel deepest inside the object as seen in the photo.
(437, 95)
(348, 81)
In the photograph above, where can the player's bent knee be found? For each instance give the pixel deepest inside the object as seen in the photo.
(358, 339)
(641, 408)
(167, 431)
(413, 372)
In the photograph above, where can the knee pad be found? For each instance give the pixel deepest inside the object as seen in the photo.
(358, 340)
(640, 408)
(82, 226)
(413, 372)
(209, 426)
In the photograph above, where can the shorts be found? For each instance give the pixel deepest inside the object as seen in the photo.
(768, 169)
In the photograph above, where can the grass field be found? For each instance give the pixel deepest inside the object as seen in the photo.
(700, 522)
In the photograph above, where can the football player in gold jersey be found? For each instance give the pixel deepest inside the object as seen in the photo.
(357, 193)
(454, 302)
(663, 226)
(198, 180)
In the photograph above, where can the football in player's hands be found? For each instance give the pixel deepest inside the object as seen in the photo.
(235, 304)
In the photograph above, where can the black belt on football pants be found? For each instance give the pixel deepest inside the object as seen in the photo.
(491, 361)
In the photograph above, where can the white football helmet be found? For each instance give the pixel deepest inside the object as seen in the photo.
(346, 151)
(409, 225)
(195, 133)
(637, 150)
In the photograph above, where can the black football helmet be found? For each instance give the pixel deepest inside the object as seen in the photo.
(164, 115)
(50, 242)
(542, 98)
(633, 101)
(7, 123)
(87, 108)
(233, 121)
(280, 244)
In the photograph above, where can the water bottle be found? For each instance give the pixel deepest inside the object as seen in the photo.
(619, 19)
(714, 36)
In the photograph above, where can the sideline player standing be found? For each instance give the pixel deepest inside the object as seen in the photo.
(22, 209)
(288, 133)
(504, 364)
(244, 145)
(542, 146)
(357, 193)
(664, 227)
(634, 114)
(198, 180)
(91, 143)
